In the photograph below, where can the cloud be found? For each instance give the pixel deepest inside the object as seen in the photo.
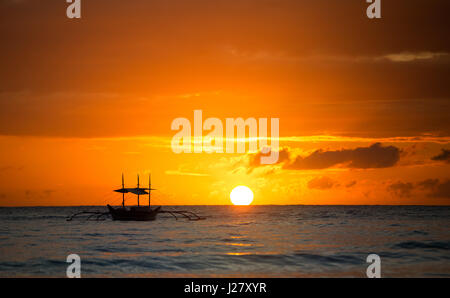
(374, 156)
(350, 184)
(409, 56)
(428, 183)
(350, 139)
(255, 159)
(39, 193)
(321, 183)
(436, 188)
(433, 188)
(402, 57)
(179, 173)
(401, 189)
(442, 190)
(292, 35)
(443, 156)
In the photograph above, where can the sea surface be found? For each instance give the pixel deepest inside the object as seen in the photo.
(250, 241)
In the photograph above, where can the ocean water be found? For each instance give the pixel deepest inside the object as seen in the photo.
(251, 241)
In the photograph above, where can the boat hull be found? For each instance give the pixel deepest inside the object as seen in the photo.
(133, 213)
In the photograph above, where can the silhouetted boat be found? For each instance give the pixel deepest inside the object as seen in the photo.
(136, 213)
(140, 213)
(133, 213)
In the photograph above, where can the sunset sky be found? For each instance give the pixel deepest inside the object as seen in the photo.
(363, 104)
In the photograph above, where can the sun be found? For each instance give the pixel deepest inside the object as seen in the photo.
(241, 195)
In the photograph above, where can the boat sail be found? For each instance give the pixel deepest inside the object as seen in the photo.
(140, 213)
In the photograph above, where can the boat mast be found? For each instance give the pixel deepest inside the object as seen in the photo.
(138, 189)
(149, 187)
(123, 192)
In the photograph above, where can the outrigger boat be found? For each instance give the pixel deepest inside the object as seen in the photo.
(134, 213)
(142, 213)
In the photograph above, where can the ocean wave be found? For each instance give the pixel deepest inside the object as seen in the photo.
(423, 245)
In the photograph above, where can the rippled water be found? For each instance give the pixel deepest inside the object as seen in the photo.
(254, 241)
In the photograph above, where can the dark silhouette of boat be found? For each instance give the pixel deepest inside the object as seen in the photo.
(136, 213)
(143, 213)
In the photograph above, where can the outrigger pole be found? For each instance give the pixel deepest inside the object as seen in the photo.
(149, 187)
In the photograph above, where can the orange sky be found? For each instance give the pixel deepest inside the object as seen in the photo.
(82, 101)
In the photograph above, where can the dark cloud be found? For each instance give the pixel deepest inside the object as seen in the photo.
(39, 193)
(308, 48)
(443, 156)
(428, 183)
(401, 189)
(255, 159)
(442, 190)
(436, 188)
(48, 192)
(350, 184)
(433, 188)
(321, 183)
(375, 156)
